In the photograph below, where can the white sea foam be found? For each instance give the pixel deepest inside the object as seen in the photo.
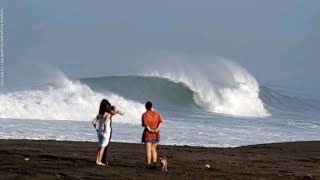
(66, 100)
(218, 132)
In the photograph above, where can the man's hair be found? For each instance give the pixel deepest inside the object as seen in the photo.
(148, 105)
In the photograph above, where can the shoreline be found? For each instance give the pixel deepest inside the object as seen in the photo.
(50, 159)
(175, 145)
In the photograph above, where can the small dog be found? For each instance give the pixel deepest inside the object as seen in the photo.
(164, 163)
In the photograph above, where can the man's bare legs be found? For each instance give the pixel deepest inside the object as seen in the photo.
(154, 153)
(151, 154)
(148, 152)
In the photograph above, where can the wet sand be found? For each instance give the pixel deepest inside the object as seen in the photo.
(31, 159)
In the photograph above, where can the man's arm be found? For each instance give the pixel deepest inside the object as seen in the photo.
(144, 125)
(160, 123)
(142, 121)
(159, 126)
(149, 129)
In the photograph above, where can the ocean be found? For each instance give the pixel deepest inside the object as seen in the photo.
(221, 106)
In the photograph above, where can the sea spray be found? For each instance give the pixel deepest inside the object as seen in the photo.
(219, 86)
(66, 100)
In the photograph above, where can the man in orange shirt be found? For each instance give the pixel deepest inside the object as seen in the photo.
(152, 122)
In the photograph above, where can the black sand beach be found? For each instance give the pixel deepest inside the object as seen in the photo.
(31, 159)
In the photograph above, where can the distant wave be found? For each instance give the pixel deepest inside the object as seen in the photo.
(280, 102)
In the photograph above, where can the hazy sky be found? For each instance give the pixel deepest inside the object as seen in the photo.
(278, 41)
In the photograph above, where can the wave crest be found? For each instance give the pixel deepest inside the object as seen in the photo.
(221, 87)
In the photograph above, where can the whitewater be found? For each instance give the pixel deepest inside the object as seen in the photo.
(217, 105)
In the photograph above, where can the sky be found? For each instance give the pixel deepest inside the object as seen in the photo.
(278, 42)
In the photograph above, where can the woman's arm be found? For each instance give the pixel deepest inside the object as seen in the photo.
(120, 112)
(94, 122)
(106, 119)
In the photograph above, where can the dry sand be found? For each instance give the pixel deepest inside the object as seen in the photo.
(31, 159)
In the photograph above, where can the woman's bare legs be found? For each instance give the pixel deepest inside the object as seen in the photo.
(99, 156)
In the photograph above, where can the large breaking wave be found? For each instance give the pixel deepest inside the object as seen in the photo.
(226, 88)
(221, 87)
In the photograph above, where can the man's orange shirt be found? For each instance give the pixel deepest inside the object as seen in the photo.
(151, 119)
